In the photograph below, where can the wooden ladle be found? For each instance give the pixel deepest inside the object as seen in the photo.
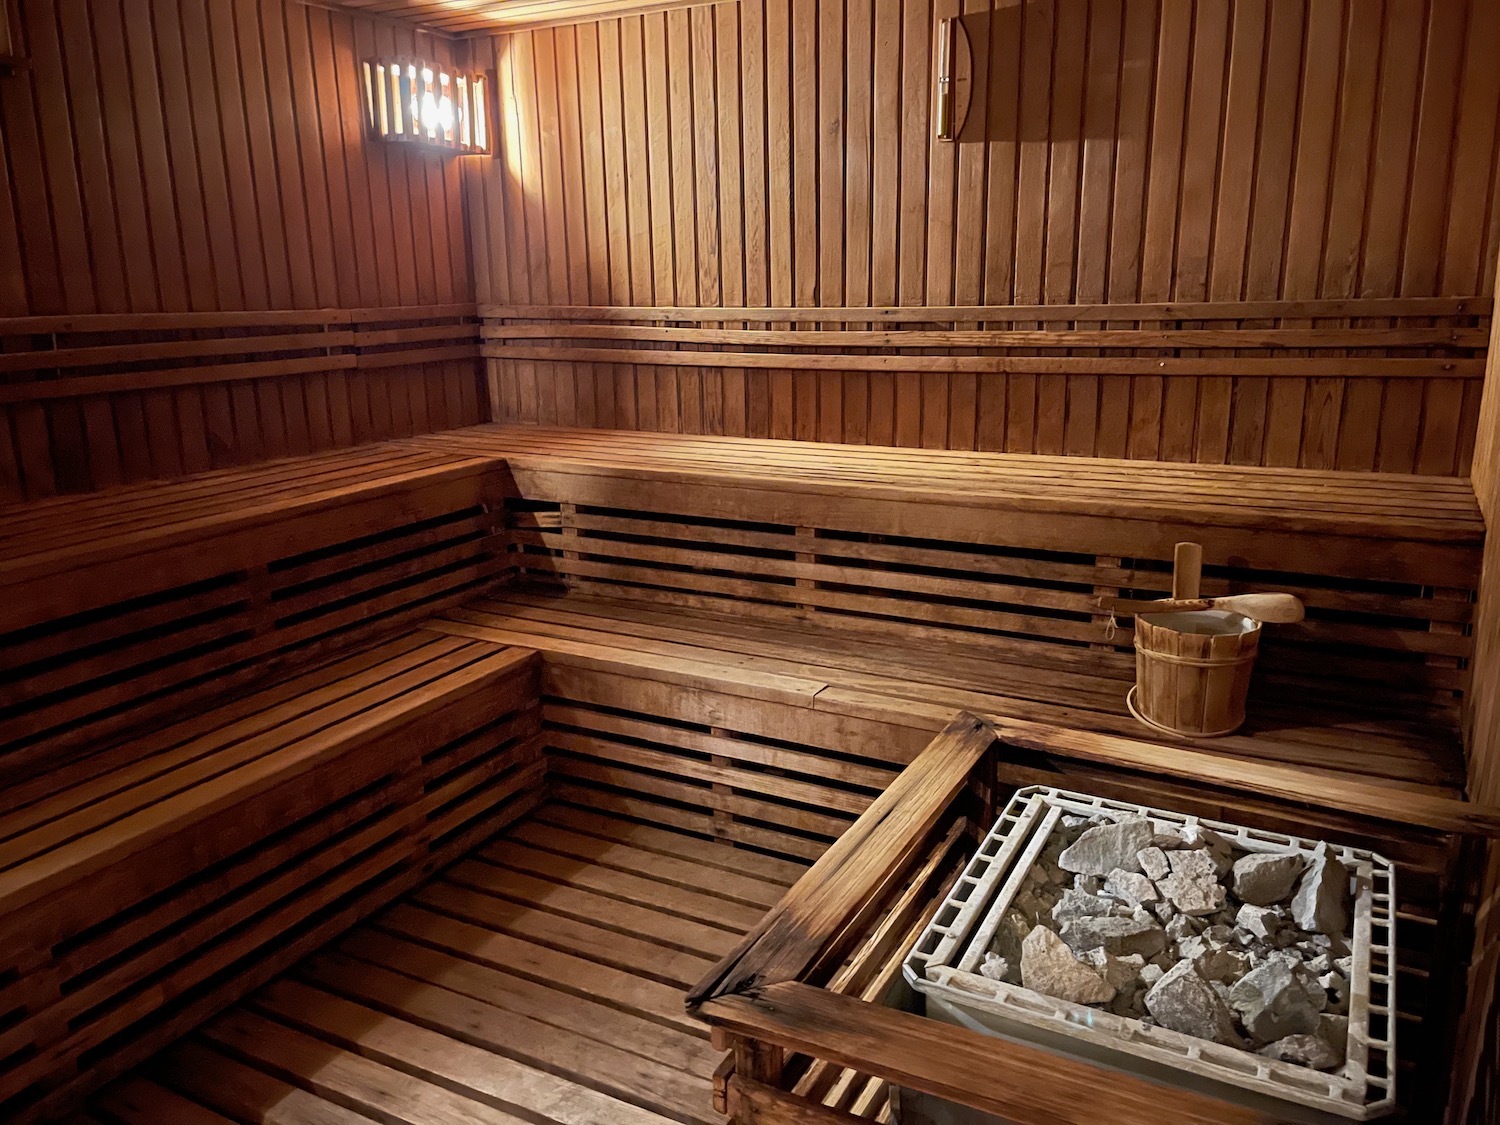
(1277, 608)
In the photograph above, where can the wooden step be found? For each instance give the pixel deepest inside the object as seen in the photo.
(146, 886)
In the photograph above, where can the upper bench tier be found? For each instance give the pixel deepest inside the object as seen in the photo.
(1375, 526)
(921, 550)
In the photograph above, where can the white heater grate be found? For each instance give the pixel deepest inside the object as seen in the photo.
(944, 966)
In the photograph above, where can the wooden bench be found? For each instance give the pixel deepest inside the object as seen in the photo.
(150, 883)
(120, 608)
(909, 584)
(206, 775)
(744, 640)
(751, 639)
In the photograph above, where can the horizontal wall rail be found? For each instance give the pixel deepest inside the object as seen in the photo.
(94, 401)
(73, 356)
(1380, 384)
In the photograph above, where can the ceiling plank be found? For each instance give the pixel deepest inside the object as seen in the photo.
(476, 17)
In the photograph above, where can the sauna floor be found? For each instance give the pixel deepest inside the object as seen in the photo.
(538, 980)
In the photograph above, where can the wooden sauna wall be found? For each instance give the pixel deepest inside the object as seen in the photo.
(779, 153)
(1480, 1044)
(1483, 718)
(208, 158)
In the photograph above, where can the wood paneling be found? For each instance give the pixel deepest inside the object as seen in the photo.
(490, 15)
(1119, 151)
(1484, 710)
(176, 156)
(1479, 1099)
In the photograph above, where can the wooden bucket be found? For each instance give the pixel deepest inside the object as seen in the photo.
(1192, 671)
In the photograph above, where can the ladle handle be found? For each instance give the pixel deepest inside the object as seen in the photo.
(1187, 572)
(1169, 605)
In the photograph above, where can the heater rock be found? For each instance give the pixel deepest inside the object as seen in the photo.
(1107, 846)
(1221, 964)
(1183, 1001)
(1185, 925)
(1130, 1001)
(1260, 922)
(1080, 904)
(1009, 935)
(995, 968)
(1336, 988)
(1273, 1003)
(1153, 861)
(1115, 935)
(1321, 901)
(1130, 888)
(1196, 837)
(1193, 886)
(1119, 972)
(1263, 880)
(1306, 1050)
(1049, 967)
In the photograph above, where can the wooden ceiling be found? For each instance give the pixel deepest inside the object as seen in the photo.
(468, 17)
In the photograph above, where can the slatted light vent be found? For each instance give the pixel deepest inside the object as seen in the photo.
(414, 102)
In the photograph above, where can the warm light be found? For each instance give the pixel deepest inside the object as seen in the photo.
(409, 100)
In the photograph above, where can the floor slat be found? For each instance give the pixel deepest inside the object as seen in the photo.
(537, 982)
(624, 857)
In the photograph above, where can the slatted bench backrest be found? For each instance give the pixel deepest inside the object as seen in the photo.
(1007, 552)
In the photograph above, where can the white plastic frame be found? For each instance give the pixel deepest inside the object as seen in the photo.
(944, 962)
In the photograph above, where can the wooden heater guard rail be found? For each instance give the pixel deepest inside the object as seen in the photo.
(772, 997)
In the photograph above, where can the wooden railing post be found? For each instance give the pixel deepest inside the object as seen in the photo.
(756, 1062)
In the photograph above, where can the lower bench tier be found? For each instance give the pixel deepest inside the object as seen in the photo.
(906, 685)
(148, 885)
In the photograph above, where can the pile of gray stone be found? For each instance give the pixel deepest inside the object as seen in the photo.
(1181, 929)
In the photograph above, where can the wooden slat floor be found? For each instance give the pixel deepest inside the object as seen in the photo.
(539, 980)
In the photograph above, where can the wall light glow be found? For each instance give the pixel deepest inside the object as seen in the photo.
(412, 102)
